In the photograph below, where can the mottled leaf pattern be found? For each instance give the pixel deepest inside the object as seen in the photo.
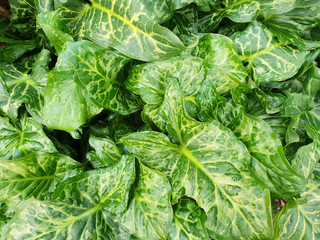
(55, 29)
(299, 219)
(144, 38)
(188, 221)
(80, 209)
(292, 26)
(267, 58)
(95, 69)
(268, 160)
(18, 86)
(105, 152)
(33, 176)
(27, 137)
(208, 164)
(243, 11)
(149, 214)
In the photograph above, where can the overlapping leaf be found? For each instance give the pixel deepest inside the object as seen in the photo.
(267, 58)
(105, 152)
(23, 139)
(18, 86)
(188, 221)
(299, 219)
(243, 11)
(33, 176)
(149, 214)
(209, 164)
(293, 26)
(144, 38)
(80, 209)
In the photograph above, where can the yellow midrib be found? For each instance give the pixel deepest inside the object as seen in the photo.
(189, 155)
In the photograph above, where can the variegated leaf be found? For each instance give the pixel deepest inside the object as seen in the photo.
(243, 11)
(128, 26)
(299, 219)
(291, 27)
(18, 86)
(24, 138)
(33, 176)
(188, 221)
(96, 70)
(66, 106)
(55, 29)
(105, 152)
(149, 214)
(209, 164)
(267, 58)
(79, 210)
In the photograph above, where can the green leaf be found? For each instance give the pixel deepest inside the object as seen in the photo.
(55, 29)
(293, 26)
(96, 70)
(216, 58)
(33, 176)
(149, 214)
(105, 152)
(224, 66)
(24, 138)
(299, 219)
(18, 86)
(204, 4)
(267, 58)
(160, 8)
(16, 49)
(297, 103)
(268, 160)
(306, 159)
(188, 221)
(79, 209)
(148, 80)
(66, 106)
(144, 38)
(243, 11)
(5, 215)
(209, 164)
(24, 14)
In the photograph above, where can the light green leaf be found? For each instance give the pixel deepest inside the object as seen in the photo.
(24, 138)
(243, 11)
(55, 29)
(79, 210)
(144, 38)
(149, 214)
(209, 164)
(216, 59)
(267, 58)
(105, 152)
(65, 104)
(224, 68)
(299, 219)
(268, 160)
(33, 176)
(297, 103)
(272, 102)
(188, 221)
(18, 86)
(306, 159)
(148, 80)
(160, 8)
(204, 4)
(96, 70)
(291, 27)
